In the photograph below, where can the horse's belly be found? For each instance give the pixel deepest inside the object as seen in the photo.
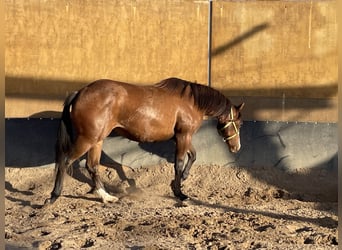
(145, 133)
(149, 123)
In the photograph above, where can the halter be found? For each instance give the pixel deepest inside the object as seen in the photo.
(231, 121)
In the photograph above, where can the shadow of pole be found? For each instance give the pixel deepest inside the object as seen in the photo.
(256, 29)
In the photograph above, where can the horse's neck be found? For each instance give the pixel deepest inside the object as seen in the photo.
(214, 114)
(218, 110)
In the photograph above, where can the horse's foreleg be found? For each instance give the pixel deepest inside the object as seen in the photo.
(191, 160)
(182, 143)
(176, 184)
(93, 161)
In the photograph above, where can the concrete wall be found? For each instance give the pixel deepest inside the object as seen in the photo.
(284, 145)
(282, 51)
(288, 155)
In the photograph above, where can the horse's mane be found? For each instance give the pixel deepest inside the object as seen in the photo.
(207, 99)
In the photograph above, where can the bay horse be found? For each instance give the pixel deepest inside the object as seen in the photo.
(173, 108)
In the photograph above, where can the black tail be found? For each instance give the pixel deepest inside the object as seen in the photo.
(63, 146)
(65, 133)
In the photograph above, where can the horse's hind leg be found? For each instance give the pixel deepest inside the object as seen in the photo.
(57, 190)
(80, 148)
(93, 161)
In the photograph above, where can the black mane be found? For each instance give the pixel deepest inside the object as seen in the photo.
(207, 99)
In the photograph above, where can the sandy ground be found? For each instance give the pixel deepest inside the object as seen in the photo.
(229, 209)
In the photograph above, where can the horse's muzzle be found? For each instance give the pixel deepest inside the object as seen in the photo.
(234, 149)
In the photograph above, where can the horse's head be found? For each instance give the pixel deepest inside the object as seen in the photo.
(228, 127)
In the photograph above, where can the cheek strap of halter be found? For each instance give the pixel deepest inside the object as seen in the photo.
(228, 124)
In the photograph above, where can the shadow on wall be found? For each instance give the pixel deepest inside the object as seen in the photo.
(237, 40)
(49, 89)
(257, 107)
(42, 89)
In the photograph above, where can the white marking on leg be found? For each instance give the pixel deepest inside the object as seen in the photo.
(106, 198)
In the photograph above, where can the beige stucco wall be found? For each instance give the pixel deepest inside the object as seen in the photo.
(282, 49)
(135, 41)
(275, 48)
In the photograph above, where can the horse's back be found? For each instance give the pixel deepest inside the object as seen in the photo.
(145, 112)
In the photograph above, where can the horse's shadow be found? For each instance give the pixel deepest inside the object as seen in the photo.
(22, 202)
(9, 187)
(80, 173)
(163, 149)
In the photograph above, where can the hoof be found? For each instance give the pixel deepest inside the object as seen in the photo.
(47, 202)
(50, 200)
(106, 198)
(182, 203)
(178, 193)
(92, 191)
(183, 197)
(110, 199)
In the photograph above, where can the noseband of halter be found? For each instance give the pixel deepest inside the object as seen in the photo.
(231, 122)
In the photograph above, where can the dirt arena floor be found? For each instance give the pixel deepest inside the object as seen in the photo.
(229, 209)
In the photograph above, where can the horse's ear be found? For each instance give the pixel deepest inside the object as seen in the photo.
(240, 107)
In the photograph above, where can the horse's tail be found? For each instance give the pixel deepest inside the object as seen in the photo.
(62, 148)
(65, 134)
